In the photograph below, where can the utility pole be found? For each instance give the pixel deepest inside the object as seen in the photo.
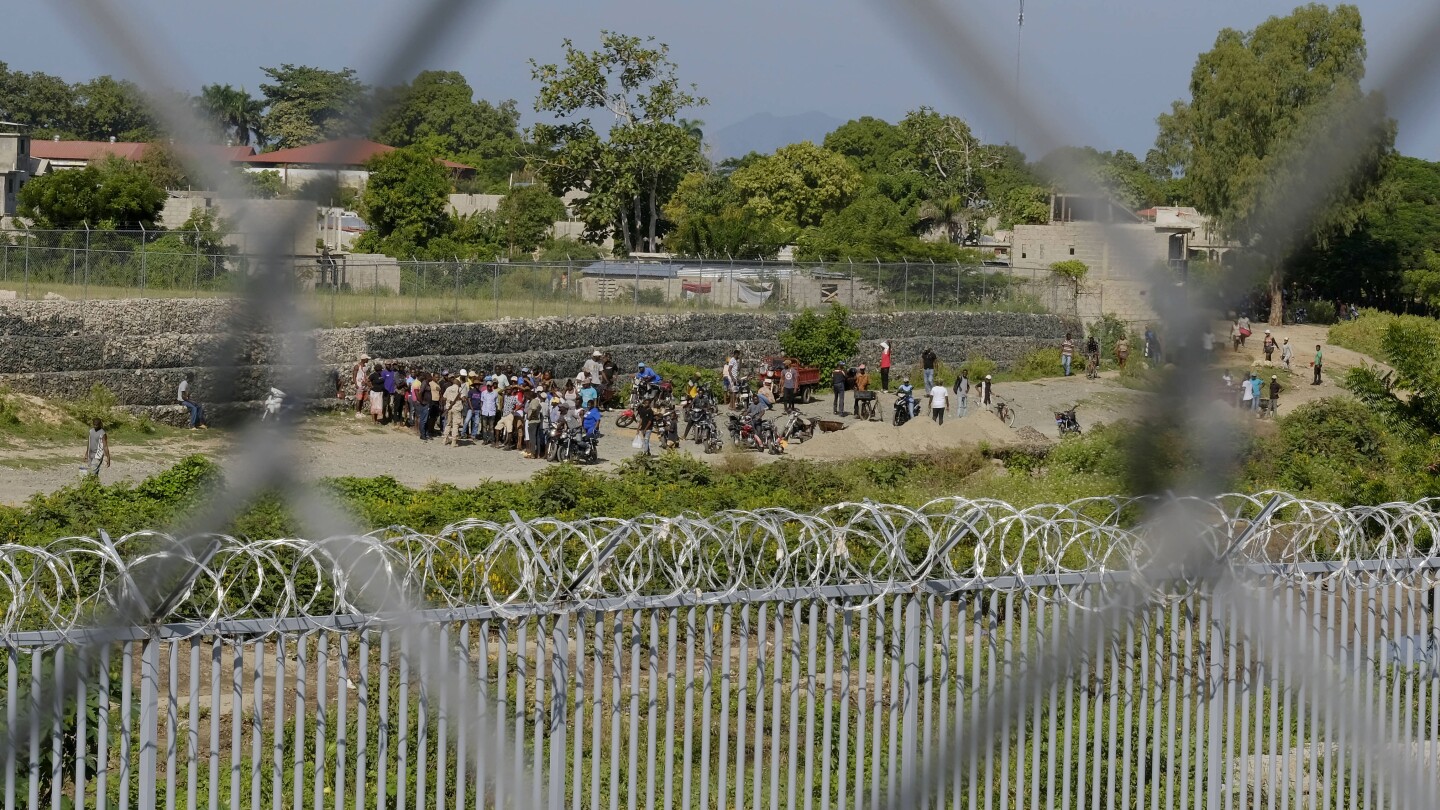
(1019, 31)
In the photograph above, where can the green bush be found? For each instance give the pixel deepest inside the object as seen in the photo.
(821, 341)
(1366, 334)
(1319, 311)
(1040, 363)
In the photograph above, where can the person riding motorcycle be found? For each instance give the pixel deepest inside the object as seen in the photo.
(647, 375)
(906, 391)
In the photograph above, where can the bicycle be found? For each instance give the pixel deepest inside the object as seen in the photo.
(1005, 412)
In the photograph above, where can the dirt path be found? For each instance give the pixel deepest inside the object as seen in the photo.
(335, 445)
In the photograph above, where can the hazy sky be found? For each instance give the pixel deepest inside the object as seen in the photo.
(1112, 65)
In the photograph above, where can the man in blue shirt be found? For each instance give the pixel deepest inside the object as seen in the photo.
(592, 419)
(647, 374)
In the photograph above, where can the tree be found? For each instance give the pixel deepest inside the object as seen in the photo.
(438, 110)
(44, 104)
(797, 185)
(949, 160)
(1273, 113)
(1015, 193)
(630, 173)
(821, 342)
(235, 113)
(711, 220)
(1119, 175)
(265, 185)
(308, 104)
(114, 195)
(1073, 272)
(867, 142)
(1408, 397)
(405, 202)
(526, 216)
(109, 108)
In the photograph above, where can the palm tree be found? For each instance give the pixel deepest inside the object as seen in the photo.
(948, 212)
(693, 127)
(234, 111)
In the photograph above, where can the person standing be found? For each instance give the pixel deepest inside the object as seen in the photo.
(454, 405)
(646, 415)
(1235, 334)
(837, 383)
(1319, 359)
(862, 384)
(1274, 395)
(1207, 341)
(788, 378)
(1244, 324)
(423, 402)
(1122, 351)
(927, 365)
(1258, 387)
(197, 412)
(1247, 394)
(534, 415)
(730, 378)
(1268, 345)
(1287, 353)
(939, 400)
(884, 366)
(986, 389)
(1067, 353)
(97, 448)
(376, 382)
(962, 393)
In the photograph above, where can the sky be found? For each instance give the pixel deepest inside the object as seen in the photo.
(1099, 71)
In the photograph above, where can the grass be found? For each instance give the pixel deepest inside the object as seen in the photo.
(1366, 334)
(28, 421)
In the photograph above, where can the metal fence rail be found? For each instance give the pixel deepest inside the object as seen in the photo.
(663, 671)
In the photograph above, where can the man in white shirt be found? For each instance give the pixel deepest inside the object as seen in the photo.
(730, 375)
(182, 395)
(939, 397)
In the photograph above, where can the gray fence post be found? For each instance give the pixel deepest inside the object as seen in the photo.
(910, 747)
(496, 281)
(197, 262)
(932, 285)
(559, 716)
(149, 720)
(142, 258)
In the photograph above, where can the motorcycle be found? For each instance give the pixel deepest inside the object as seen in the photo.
(626, 418)
(760, 435)
(584, 447)
(1067, 423)
(707, 434)
(906, 408)
(798, 428)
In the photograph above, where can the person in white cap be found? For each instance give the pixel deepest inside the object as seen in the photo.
(1268, 345)
(885, 366)
(594, 368)
(1287, 353)
(360, 373)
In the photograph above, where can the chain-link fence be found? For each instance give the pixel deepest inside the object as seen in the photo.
(346, 289)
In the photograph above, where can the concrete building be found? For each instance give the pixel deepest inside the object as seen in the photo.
(1122, 248)
(56, 155)
(15, 165)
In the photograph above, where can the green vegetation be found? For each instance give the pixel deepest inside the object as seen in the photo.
(821, 341)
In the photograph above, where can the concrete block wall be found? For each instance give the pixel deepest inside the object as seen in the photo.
(1120, 256)
(141, 349)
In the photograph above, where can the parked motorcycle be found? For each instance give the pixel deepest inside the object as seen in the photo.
(759, 435)
(798, 428)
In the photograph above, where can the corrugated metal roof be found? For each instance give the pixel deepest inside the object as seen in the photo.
(343, 152)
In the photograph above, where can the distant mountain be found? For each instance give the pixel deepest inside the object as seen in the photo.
(764, 132)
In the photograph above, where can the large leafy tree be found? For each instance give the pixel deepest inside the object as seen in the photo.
(111, 195)
(308, 104)
(711, 220)
(43, 103)
(798, 184)
(405, 201)
(525, 217)
(629, 171)
(872, 227)
(438, 109)
(1408, 395)
(233, 112)
(949, 161)
(868, 142)
(1278, 141)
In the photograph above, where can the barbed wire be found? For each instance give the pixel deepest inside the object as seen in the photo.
(850, 553)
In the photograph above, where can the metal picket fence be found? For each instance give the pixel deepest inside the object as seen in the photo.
(757, 660)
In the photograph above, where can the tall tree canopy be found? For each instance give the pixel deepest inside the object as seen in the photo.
(798, 184)
(630, 171)
(405, 201)
(102, 108)
(438, 109)
(309, 104)
(1278, 141)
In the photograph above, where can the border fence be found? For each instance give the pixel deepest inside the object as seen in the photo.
(749, 659)
(351, 289)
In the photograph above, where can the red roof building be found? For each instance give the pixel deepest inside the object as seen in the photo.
(346, 153)
(55, 155)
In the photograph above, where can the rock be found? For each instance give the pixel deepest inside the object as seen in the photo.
(52, 296)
